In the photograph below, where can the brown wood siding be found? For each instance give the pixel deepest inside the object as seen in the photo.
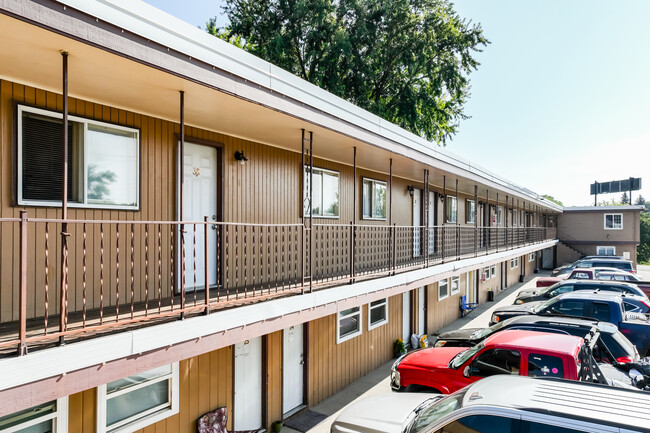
(334, 366)
(205, 384)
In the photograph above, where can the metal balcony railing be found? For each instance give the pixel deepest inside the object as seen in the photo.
(100, 275)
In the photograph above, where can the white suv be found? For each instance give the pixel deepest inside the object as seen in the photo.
(503, 404)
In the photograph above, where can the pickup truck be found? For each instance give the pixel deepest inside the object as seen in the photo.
(595, 306)
(525, 353)
(611, 347)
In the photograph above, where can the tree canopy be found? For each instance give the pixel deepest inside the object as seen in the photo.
(407, 61)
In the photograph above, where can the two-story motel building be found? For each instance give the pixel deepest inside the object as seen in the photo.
(216, 231)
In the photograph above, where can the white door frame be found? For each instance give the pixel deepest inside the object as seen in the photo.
(189, 280)
(417, 222)
(247, 410)
(406, 317)
(293, 360)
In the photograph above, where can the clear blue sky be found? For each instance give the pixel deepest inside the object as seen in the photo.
(561, 98)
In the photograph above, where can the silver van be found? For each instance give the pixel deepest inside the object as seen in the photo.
(503, 404)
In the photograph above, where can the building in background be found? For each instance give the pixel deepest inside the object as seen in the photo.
(232, 236)
(599, 230)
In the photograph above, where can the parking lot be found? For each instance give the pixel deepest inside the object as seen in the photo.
(319, 418)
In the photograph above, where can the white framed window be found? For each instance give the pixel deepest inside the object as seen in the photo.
(522, 218)
(531, 257)
(455, 285)
(613, 221)
(374, 199)
(493, 271)
(132, 403)
(499, 215)
(514, 262)
(377, 313)
(486, 272)
(452, 209)
(103, 162)
(443, 289)
(470, 211)
(606, 251)
(47, 417)
(325, 193)
(348, 324)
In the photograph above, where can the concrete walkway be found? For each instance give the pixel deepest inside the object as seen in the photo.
(378, 380)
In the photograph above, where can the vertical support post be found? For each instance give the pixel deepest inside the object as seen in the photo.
(596, 193)
(489, 221)
(354, 185)
(475, 220)
(496, 215)
(22, 315)
(302, 211)
(390, 215)
(180, 201)
(351, 252)
(206, 247)
(426, 218)
(63, 293)
(311, 210)
(457, 224)
(394, 248)
(444, 215)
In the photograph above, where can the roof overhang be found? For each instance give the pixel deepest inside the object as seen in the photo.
(128, 54)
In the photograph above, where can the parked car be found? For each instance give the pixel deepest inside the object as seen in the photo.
(625, 276)
(612, 346)
(596, 306)
(526, 353)
(575, 274)
(543, 293)
(502, 404)
(605, 261)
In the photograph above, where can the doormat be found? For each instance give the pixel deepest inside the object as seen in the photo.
(305, 421)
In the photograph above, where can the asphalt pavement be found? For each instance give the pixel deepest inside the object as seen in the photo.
(378, 380)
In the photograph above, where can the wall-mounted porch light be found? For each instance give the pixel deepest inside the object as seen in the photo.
(239, 156)
(410, 189)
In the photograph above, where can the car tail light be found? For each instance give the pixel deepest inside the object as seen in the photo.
(624, 359)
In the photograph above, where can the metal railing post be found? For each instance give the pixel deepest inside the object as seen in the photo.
(206, 253)
(352, 249)
(394, 248)
(22, 346)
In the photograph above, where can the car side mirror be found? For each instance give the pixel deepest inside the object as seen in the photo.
(466, 371)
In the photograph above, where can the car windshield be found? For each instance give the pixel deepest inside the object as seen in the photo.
(426, 415)
(543, 306)
(483, 333)
(547, 289)
(463, 356)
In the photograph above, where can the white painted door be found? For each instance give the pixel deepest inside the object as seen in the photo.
(248, 385)
(199, 200)
(406, 317)
(432, 232)
(421, 311)
(292, 368)
(470, 284)
(417, 222)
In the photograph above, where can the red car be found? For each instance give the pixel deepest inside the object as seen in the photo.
(525, 353)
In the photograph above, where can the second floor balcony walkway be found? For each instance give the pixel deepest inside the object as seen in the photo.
(66, 280)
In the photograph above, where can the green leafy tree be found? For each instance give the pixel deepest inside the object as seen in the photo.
(643, 250)
(554, 200)
(640, 200)
(625, 199)
(407, 61)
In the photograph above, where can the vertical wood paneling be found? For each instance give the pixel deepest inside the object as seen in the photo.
(334, 366)
(274, 378)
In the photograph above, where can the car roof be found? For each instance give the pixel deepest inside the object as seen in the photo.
(586, 294)
(559, 343)
(599, 269)
(581, 282)
(587, 402)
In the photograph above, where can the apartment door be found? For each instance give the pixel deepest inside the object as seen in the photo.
(248, 385)
(417, 222)
(292, 369)
(200, 181)
(422, 311)
(406, 317)
(432, 222)
(469, 286)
